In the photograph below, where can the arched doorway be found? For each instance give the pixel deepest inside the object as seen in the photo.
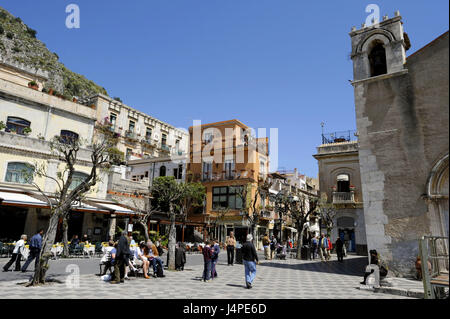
(346, 231)
(437, 197)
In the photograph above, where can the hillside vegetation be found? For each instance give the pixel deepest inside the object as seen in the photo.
(18, 43)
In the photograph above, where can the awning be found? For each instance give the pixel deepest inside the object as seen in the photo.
(272, 191)
(115, 208)
(83, 207)
(19, 199)
(291, 229)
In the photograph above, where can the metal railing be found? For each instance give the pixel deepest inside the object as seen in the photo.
(338, 137)
(343, 197)
(433, 250)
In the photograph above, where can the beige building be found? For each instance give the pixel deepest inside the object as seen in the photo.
(402, 112)
(340, 182)
(140, 135)
(30, 120)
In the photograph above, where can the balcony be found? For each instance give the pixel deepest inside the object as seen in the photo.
(131, 136)
(148, 143)
(165, 148)
(344, 197)
(339, 137)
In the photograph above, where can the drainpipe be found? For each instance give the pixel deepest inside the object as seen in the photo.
(48, 119)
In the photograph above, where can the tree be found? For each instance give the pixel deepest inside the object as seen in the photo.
(176, 199)
(327, 213)
(145, 215)
(300, 210)
(249, 203)
(66, 149)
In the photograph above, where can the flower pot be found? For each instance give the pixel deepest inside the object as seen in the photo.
(74, 100)
(50, 91)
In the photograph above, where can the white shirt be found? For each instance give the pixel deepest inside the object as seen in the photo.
(19, 246)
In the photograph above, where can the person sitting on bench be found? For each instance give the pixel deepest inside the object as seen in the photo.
(107, 261)
(141, 260)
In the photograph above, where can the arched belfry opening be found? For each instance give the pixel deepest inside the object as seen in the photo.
(377, 59)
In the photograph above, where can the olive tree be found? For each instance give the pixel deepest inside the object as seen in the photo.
(68, 193)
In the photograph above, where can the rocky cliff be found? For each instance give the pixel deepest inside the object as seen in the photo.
(19, 45)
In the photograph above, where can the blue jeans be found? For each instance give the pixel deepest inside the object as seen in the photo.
(250, 271)
(156, 260)
(213, 268)
(207, 270)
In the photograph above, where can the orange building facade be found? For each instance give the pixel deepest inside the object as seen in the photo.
(226, 157)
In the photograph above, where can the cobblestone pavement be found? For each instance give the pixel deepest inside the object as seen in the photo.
(281, 279)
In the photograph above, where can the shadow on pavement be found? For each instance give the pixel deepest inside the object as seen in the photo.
(237, 286)
(350, 267)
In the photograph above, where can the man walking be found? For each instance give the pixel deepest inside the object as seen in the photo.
(17, 254)
(266, 245)
(323, 246)
(231, 244)
(207, 254)
(340, 249)
(122, 256)
(250, 259)
(35, 249)
(273, 246)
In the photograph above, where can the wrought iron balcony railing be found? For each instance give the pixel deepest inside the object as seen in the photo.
(344, 197)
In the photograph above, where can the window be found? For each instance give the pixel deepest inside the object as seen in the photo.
(208, 137)
(148, 134)
(163, 139)
(262, 167)
(162, 171)
(129, 152)
(16, 124)
(131, 126)
(227, 197)
(343, 183)
(68, 137)
(207, 170)
(377, 60)
(180, 171)
(77, 179)
(21, 173)
(229, 168)
(177, 146)
(112, 119)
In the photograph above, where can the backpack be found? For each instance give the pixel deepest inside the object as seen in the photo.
(159, 270)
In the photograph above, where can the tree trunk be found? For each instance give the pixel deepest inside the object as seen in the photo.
(45, 255)
(299, 242)
(255, 236)
(145, 226)
(172, 242)
(65, 225)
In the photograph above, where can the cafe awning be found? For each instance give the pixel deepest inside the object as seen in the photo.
(20, 199)
(117, 209)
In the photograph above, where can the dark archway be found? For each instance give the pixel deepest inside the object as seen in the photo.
(377, 60)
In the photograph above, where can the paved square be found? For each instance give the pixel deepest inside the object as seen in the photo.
(280, 279)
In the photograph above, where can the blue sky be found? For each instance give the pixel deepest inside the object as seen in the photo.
(269, 63)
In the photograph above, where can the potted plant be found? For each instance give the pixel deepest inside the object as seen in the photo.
(333, 188)
(2, 126)
(27, 130)
(352, 188)
(74, 99)
(33, 85)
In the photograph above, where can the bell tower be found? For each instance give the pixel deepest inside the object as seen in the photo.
(379, 49)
